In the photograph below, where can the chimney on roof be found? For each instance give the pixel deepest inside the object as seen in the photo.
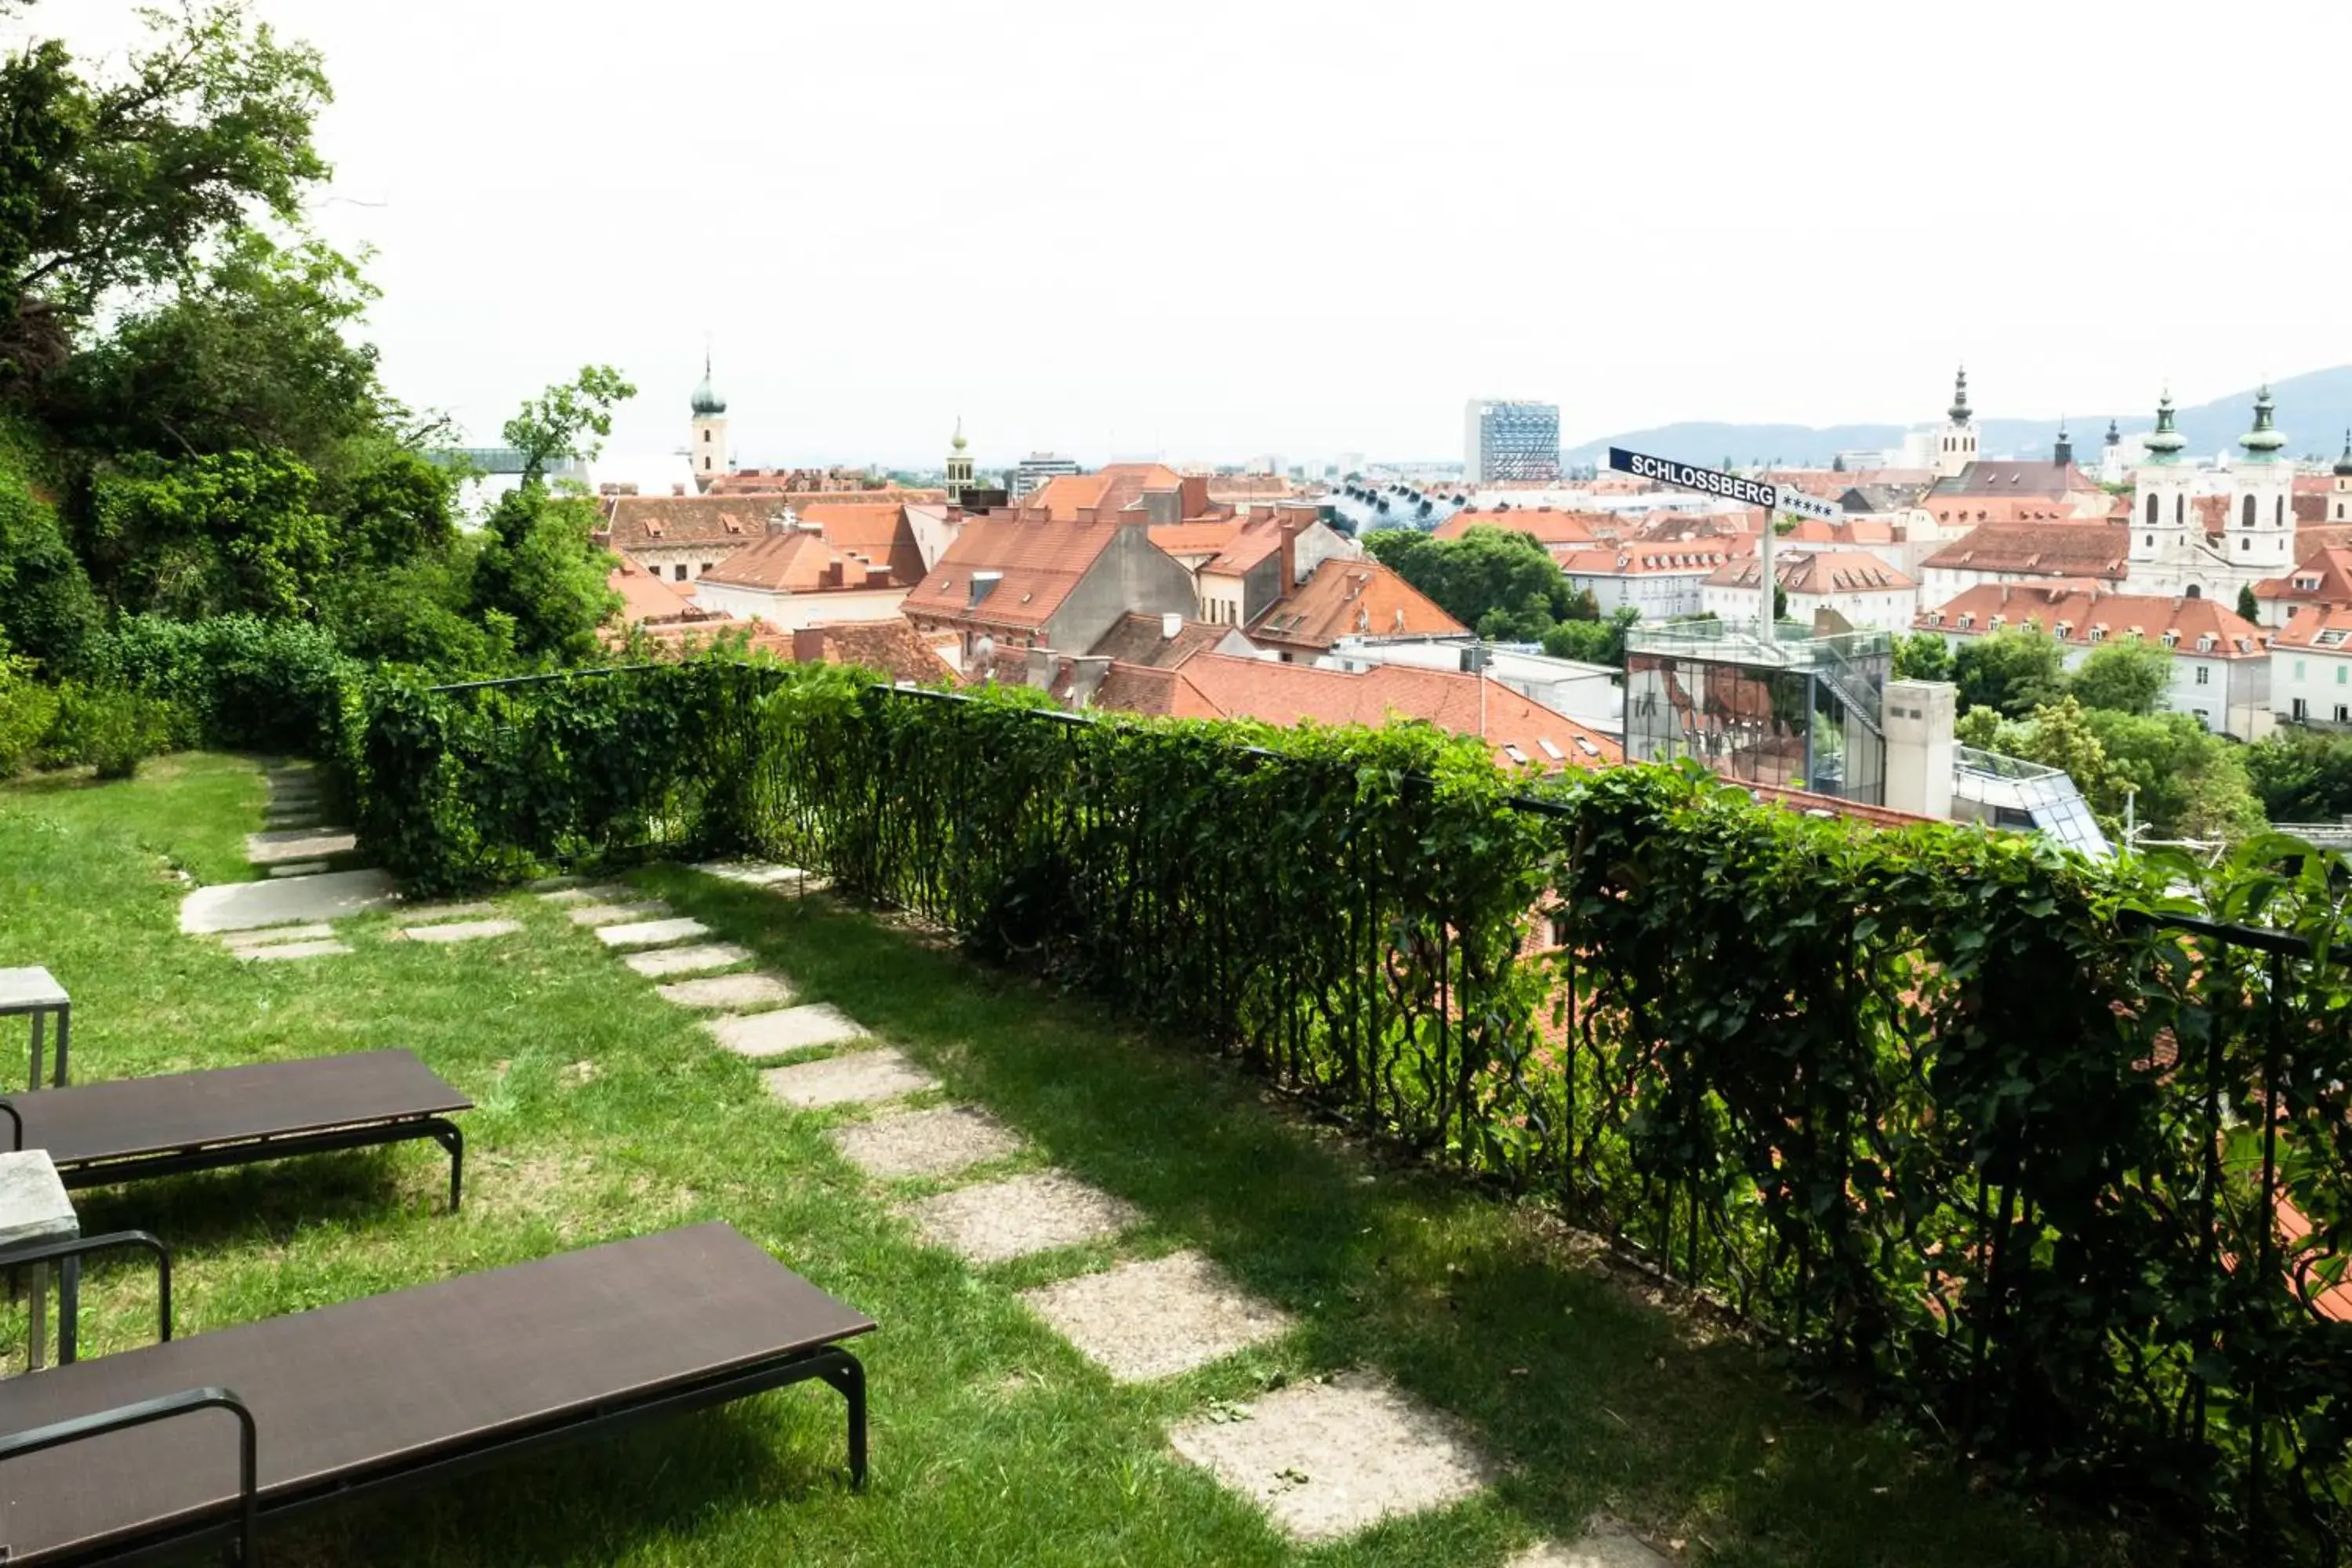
(1171, 624)
(1289, 559)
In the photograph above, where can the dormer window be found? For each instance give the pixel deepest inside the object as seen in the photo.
(2063, 630)
(2205, 644)
(2172, 639)
(1967, 620)
(2307, 585)
(2098, 634)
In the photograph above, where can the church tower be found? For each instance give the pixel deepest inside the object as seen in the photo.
(2160, 517)
(2062, 451)
(2339, 499)
(2111, 456)
(708, 447)
(959, 466)
(1955, 449)
(2260, 534)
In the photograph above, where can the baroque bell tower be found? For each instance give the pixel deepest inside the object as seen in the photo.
(707, 449)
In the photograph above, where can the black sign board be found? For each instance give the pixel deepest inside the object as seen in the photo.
(1689, 477)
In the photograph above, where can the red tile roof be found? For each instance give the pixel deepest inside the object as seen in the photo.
(1345, 598)
(1973, 511)
(2039, 549)
(1196, 538)
(800, 561)
(645, 597)
(1101, 495)
(2084, 618)
(1143, 640)
(639, 522)
(1687, 559)
(1816, 571)
(2007, 477)
(2327, 570)
(891, 648)
(878, 532)
(1524, 733)
(1040, 562)
(1546, 525)
(2322, 626)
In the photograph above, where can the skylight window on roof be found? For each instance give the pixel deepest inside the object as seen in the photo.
(1554, 753)
(1586, 747)
(1513, 753)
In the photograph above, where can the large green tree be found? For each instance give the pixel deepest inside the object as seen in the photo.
(542, 580)
(2124, 675)
(2303, 775)
(1499, 581)
(209, 535)
(2011, 672)
(2191, 784)
(251, 349)
(115, 179)
(1922, 656)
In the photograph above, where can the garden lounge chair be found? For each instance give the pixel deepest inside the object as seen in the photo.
(204, 1440)
(100, 1133)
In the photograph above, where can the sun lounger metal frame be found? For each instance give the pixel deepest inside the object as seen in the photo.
(256, 1505)
(155, 1146)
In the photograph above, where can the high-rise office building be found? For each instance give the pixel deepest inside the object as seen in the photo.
(1507, 438)
(1037, 468)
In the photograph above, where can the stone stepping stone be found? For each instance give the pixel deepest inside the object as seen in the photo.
(426, 914)
(308, 817)
(1604, 1546)
(293, 950)
(1145, 1320)
(848, 1080)
(1327, 1459)
(752, 873)
(786, 1029)
(298, 844)
(245, 906)
(462, 931)
(728, 990)
(554, 884)
(602, 893)
(298, 869)
(998, 1220)
(925, 1142)
(686, 960)
(310, 930)
(613, 914)
(651, 933)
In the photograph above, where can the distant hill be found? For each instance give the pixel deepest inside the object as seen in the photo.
(2314, 410)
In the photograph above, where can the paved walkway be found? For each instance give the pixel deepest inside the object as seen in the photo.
(1325, 1458)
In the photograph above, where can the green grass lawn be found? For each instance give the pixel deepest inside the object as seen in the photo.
(604, 1112)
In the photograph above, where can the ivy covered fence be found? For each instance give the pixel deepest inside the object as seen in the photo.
(2047, 1158)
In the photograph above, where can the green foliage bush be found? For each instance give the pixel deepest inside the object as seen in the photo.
(27, 711)
(1921, 1101)
(109, 729)
(233, 681)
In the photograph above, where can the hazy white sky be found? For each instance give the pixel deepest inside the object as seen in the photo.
(1229, 226)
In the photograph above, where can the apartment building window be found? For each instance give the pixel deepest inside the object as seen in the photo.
(2339, 674)
(2298, 670)
(2343, 714)
(680, 571)
(2204, 675)
(2301, 710)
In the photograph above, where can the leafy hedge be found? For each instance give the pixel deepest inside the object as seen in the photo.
(1921, 1101)
(233, 681)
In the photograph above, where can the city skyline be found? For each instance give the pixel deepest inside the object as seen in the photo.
(1129, 289)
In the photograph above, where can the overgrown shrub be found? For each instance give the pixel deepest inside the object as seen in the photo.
(233, 681)
(27, 711)
(1923, 1102)
(109, 729)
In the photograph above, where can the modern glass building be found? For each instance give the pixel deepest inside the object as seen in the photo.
(1803, 711)
(2024, 797)
(1505, 439)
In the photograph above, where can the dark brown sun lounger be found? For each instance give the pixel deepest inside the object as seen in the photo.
(100, 1133)
(202, 1439)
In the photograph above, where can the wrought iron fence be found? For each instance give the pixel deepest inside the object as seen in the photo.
(2008, 1140)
